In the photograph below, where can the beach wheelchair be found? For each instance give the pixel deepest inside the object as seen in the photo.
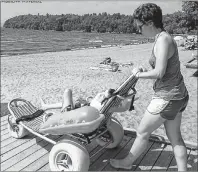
(70, 153)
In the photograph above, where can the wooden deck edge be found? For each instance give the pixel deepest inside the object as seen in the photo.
(161, 139)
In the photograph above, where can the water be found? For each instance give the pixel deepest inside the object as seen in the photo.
(20, 41)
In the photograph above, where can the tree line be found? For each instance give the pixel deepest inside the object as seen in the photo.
(179, 22)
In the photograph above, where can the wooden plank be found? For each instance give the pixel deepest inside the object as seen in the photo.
(160, 139)
(19, 149)
(100, 160)
(99, 154)
(4, 122)
(173, 165)
(120, 154)
(193, 160)
(139, 160)
(45, 168)
(3, 127)
(4, 118)
(32, 157)
(96, 155)
(7, 142)
(151, 157)
(108, 167)
(5, 136)
(38, 163)
(16, 143)
(90, 147)
(43, 162)
(164, 159)
(123, 153)
(4, 109)
(4, 132)
(23, 155)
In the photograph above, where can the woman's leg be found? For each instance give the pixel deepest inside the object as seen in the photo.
(148, 124)
(174, 135)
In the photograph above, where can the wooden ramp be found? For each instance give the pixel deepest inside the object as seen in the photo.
(31, 154)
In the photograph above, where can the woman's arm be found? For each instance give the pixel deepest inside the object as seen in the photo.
(162, 55)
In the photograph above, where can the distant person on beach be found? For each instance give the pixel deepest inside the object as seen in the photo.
(170, 94)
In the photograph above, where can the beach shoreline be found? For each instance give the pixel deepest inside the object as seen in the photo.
(78, 49)
(48, 74)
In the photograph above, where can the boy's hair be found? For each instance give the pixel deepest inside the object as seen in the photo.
(149, 12)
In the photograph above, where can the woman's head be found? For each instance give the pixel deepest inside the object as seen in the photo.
(148, 14)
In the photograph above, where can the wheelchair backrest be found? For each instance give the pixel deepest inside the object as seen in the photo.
(123, 91)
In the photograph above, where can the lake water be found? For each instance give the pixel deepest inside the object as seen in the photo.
(19, 41)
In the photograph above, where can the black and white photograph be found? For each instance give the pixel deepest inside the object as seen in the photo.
(99, 85)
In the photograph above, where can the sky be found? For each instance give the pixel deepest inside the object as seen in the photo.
(22, 7)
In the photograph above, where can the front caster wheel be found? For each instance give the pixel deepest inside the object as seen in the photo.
(16, 130)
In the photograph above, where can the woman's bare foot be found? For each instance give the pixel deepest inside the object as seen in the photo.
(121, 163)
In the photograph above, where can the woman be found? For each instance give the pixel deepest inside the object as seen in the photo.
(170, 94)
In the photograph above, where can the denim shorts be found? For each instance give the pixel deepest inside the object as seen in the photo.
(167, 109)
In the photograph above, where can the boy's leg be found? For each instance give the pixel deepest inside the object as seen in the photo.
(67, 100)
(45, 106)
(148, 124)
(174, 135)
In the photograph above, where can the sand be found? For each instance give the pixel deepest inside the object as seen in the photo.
(46, 75)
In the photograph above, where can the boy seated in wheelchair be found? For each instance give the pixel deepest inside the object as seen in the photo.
(96, 102)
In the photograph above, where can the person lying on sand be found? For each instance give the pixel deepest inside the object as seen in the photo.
(170, 94)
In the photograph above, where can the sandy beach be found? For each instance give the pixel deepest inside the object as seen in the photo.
(47, 75)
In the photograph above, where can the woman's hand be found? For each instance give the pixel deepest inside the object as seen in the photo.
(138, 69)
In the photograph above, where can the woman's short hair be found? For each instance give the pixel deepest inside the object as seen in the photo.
(149, 12)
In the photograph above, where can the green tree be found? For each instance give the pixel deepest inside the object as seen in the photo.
(88, 28)
(191, 9)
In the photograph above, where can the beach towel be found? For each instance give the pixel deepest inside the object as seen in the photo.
(107, 60)
(106, 68)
